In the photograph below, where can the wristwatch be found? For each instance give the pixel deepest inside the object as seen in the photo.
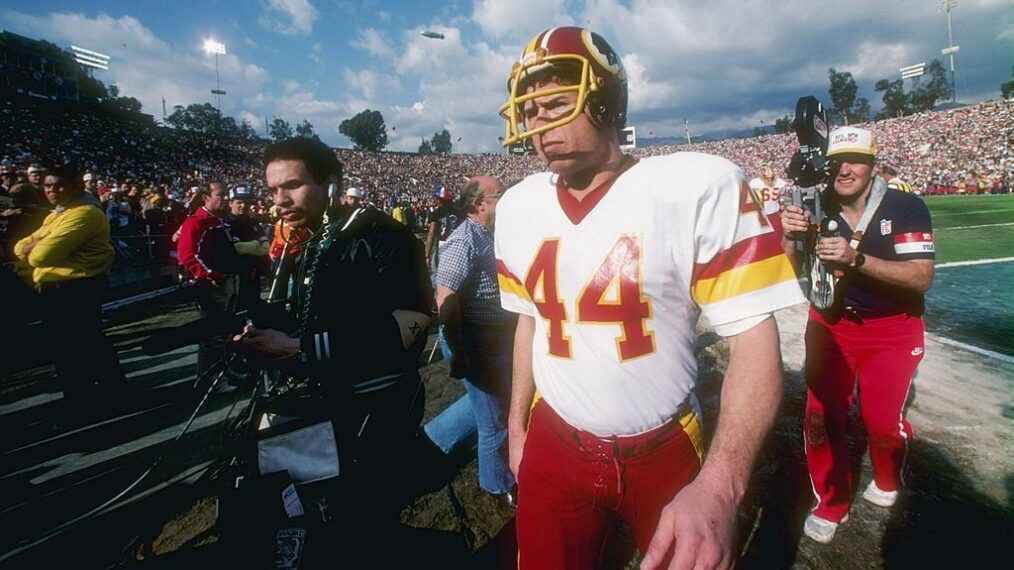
(860, 260)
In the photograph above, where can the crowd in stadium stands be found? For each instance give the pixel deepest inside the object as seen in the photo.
(965, 150)
(145, 175)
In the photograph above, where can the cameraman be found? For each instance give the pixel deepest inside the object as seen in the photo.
(873, 331)
(364, 302)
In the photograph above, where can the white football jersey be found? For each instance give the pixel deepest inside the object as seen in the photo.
(771, 194)
(617, 281)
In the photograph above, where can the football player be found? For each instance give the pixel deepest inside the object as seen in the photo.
(609, 260)
(768, 189)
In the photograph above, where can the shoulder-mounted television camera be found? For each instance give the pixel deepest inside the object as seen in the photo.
(808, 166)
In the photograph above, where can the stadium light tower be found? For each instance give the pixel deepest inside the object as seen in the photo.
(951, 49)
(90, 59)
(211, 46)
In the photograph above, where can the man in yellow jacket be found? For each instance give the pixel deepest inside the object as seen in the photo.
(69, 258)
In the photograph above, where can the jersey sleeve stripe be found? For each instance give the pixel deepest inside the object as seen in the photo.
(913, 237)
(744, 252)
(509, 283)
(766, 272)
(914, 247)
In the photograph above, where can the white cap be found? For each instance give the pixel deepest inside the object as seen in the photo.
(354, 192)
(850, 140)
(88, 177)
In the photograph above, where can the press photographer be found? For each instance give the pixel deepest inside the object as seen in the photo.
(362, 304)
(877, 244)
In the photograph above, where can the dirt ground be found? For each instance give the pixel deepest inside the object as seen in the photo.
(958, 509)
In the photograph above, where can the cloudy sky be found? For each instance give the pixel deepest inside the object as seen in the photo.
(721, 64)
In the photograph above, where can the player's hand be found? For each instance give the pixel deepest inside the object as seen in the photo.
(836, 250)
(795, 222)
(516, 448)
(267, 345)
(695, 530)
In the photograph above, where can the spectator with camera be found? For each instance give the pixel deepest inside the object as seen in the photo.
(879, 241)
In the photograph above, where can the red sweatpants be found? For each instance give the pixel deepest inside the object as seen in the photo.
(571, 484)
(882, 353)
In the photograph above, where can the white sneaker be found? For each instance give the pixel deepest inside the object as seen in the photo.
(875, 495)
(821, 530)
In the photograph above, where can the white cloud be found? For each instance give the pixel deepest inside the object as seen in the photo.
(519, 19)
(372, 85)
(373, 42)
(145, 66)
(289, 17)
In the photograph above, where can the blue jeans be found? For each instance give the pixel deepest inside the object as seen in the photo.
(483, 410)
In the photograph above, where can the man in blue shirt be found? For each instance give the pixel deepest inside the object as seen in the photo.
(478, 337)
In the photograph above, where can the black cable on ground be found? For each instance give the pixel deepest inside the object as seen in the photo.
(63, 527)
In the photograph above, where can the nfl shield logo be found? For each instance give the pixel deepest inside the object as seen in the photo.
(885, 227)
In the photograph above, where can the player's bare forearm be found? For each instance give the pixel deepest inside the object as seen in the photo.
(751, 392)
(522, 390)
(697, 528)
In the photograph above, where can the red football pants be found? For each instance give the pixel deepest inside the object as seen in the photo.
(572, 484)
(882, 353)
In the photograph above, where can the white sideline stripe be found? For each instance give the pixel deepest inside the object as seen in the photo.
(973, 262)
(973, 227)
(973, 212)
(972, 348)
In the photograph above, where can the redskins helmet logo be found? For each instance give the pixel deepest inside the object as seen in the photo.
(603, 53)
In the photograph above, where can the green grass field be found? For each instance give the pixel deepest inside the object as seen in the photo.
(968, 228)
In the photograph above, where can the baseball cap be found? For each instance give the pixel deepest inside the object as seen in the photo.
(240, 193)
(88, 177)
(354, 192)
(442, 193)
(35, 168)
(850, 140)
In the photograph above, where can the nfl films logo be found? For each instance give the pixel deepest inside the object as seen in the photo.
(845, 138)
(885, 227)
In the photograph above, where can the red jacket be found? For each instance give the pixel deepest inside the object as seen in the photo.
(205, 247)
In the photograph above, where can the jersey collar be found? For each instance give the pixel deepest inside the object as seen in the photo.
(575, 209)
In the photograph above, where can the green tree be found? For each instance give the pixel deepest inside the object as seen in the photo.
(305, 129)
(784, 124)
(203, 118)
(366, 130)
(442, 142)
(280, 129)
(246, 131)
(933, 86)
(895, 100)
(861, 110)
(425, 147)
(1007, 89)
(842, 91)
